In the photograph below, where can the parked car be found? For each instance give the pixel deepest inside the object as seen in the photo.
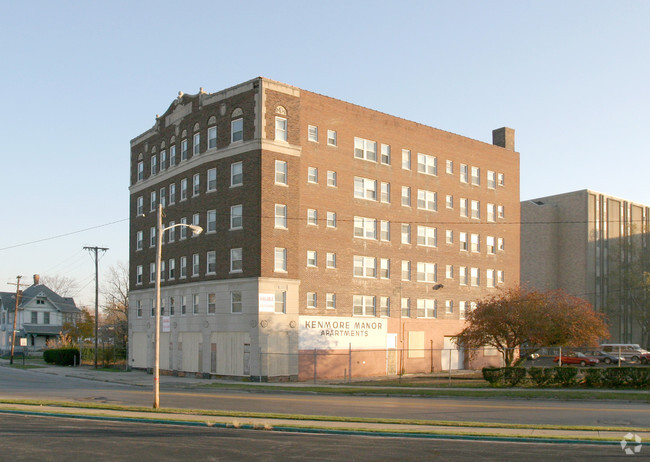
(577, 358)
(645, 358)
(630, 351)
(604, 357)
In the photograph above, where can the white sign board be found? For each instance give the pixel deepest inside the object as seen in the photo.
(267, 303)
(166, 324)
(335, 333)
(23, 341)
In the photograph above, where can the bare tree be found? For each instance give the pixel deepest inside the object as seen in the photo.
(61, 285)
(116, 301)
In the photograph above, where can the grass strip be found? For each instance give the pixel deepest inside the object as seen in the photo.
(318, 418)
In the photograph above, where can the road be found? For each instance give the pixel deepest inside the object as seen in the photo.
(28, 438)
(31, 384)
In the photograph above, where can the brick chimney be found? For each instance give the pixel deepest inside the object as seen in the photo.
(504, 137)
(37, 279)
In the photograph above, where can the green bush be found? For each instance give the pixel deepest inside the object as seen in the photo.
(565, 376)
(493, 375)
(514, 375)
(594, 377)
(541, 376)
(62, 356)
(637, 377)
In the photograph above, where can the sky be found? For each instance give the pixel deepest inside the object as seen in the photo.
(81, 79)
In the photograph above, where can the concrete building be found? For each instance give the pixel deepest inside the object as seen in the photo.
(594, 246)
(41, 315)
(329, 229)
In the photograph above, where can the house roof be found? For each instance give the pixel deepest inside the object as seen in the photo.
(42, 329)
(63, 304)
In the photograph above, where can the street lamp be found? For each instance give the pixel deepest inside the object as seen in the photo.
(156, 368)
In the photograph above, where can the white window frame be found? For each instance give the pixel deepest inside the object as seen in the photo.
(312, 175)
(312, 133)
(212, 137)
(281, 216)
(281, 129)
(385, 154)
(427, 200)
(237, 130)
(365, 188)
(196, 144)
(365, 149)
(364, 267)
(236, 260)
(236, 174)
(427, 164)
(211, 180)
(281, 172)
(331, 179)
(236, 217)
(280, 260)
(365, 228)
(331, 138)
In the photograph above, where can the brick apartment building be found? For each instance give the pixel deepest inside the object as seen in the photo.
(328, 228)
(594, 246)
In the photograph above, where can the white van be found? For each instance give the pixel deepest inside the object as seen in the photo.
(629, 351)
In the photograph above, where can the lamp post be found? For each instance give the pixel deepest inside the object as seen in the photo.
(156, 367)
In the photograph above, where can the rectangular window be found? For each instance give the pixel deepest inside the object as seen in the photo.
(184, 150)
(163, 160)
(427, 236)
(280, 129)
(476, 176)
(236, 174)
(172, 268)
(280, 172)
(280, 259)
(211, 262)
(491, 179)
(138, 274)
(462, 238)
(183, 229)
(449, 236)
(195, 264)
(406, 196)
(211, 221)
(237, 130)
(384, 231)
(462, 309)
(491, 213)
(363, 305)
(490, 246)
(331, 137)
(365, 149)
(34, 317)
(331, 260)
(163, 197)
(463, 173)
(312, 175)
(312, 217)
(154, 164)
(427, 200)
(138, 240)
(236, 217)
(384, 306)
(140, 171)
(450, 167)
(171, 236)
(331, 219)
(280, 301)
(152, 273)
(183, 305)
(475, 241)
(139, 205)
(235, 302)
(406, 159)
(365, 188)
(385, 154)
(406, 270)
(449, 271)
(172, 155)
(195, 304)
(463, 207)
(384, 268)
(449, 201)
(236, 264)
(153, 202)
(152, 236)
(500, 211)
(427, 272)
(331, 178)
(183, 268)
(212, 179)
(365, 228)
(500, 277)
(312, 133)
(449, 306)
(280, 216)
(172, 194)
(196, 145)
(196, 184)
(476, 210)
(427, 308)
(330, 301)
(312, 259)
(500, 244)
(500, 180)
(385, 193)
(183, 189)
(489, 278)
(406, 233)
(138, 305)
(475, 277)
(365, 267)
(212, 137)
(427, 164)
(406, 308)
(312, 301)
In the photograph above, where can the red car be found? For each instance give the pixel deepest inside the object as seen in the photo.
(577, 358)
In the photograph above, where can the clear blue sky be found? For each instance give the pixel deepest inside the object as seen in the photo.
(81, 79)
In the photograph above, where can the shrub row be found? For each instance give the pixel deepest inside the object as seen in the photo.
(611, 377)
(62, 356)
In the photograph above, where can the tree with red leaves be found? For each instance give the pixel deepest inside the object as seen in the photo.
(517, 317)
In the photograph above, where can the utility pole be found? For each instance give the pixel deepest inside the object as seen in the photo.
(95, 250)
(13, 333)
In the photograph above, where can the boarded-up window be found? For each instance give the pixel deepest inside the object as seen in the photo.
(416, 344)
